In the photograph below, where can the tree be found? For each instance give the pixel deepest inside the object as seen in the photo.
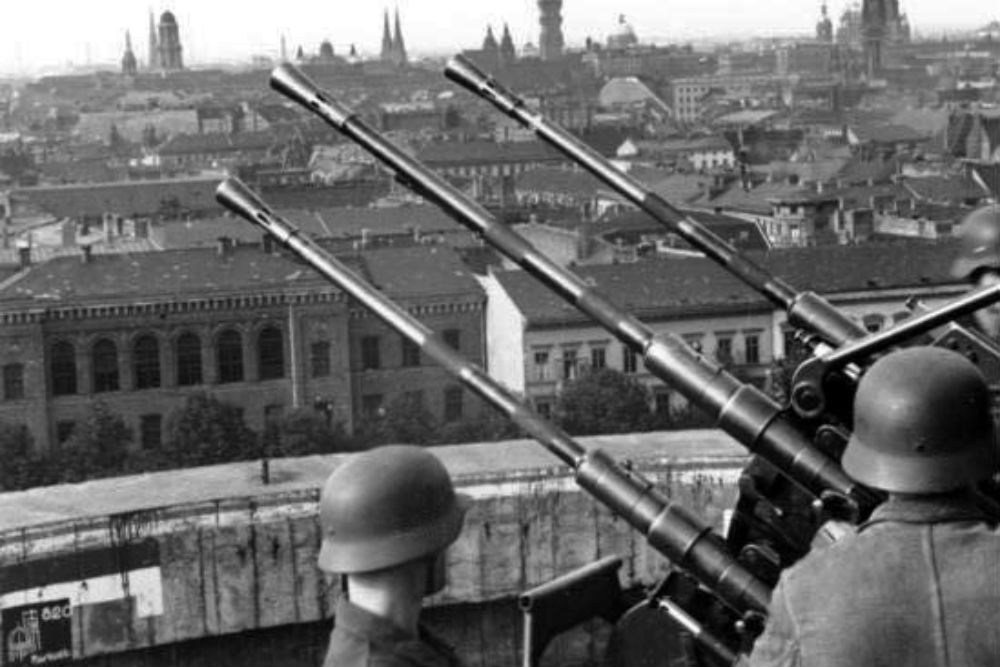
(21, 467)
(303, 432)
(489, 426)
(98, 447)
(603, 400)
(406, 421)
(206, 431)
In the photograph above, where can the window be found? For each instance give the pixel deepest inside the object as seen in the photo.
(229, 356)
(150, 431)
(319, 358)
(104, 360)
(452, 338)
(544, 408)
(724, 349)
(598, 357)
(629, 360)
(452, 404)
(370, 357)
(569, 362)
(751, 345)
(541, 359)
(188, 352)
(64, 431)
(146, 362)
(62, 368)
(371, 406)
(13, 382)
(411, 353)
(270, 354)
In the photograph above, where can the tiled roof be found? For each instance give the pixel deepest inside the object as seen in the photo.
(945, 189)
(665, 288)
(128, 198)
(556, 180)
(216, 142)
(200, 272)
(736, 231)
(862, 170)
(487, 152)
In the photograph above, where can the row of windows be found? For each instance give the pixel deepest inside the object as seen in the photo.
(146, 367)
(371, 349)
(571, 361)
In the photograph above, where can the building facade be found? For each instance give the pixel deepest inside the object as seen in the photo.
(249, 325)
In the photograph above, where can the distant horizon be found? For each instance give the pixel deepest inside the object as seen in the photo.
(225, 33)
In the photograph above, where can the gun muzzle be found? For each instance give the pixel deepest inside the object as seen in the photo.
(293, 83)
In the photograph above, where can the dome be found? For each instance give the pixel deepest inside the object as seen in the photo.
(167, 17)
(623, 36)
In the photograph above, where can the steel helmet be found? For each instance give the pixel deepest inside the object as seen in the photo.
(980, 242)
(387, 506)
(922, 424)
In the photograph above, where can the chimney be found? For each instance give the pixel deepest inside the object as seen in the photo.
(223, 245)
(85, 255)
(24, 255)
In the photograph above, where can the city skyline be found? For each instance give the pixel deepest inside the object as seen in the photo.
(224, 32)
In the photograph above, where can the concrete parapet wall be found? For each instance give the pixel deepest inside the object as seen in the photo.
(173, 557)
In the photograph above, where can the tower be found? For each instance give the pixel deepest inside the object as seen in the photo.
(154, 44)
(824, 29)
(398, 46)
(874, 25)
(386, 53)
(170, 43)
(129, 64)
(507, 52)
(550, 41)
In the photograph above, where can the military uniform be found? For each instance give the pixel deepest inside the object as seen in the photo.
(918, 585)
(362, 639)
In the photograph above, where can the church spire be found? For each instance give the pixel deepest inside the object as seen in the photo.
(154, 44)
(398, 46)
(386, 37)
(129, 64)
(507, 52)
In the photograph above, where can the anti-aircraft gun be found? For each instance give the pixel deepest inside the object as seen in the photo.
(800, 475)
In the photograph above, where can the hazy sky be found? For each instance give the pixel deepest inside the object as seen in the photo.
(47, 33)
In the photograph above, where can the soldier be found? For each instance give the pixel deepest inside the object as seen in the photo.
(979, 261)
(387, 516)
(918, 584)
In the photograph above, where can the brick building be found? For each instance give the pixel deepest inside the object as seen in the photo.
(143, 331)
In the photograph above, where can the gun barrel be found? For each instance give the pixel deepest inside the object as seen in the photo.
(804, 309)
(742, 411)
(674, 532)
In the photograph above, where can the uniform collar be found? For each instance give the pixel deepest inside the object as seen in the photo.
(959, 506)
(424, 650)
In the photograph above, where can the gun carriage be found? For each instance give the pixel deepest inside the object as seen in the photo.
(717, 597)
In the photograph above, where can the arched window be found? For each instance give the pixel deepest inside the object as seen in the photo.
(270, 354)
(229, 354)
(146, 362)
(104, 362)
(188, 353)
(62, 368)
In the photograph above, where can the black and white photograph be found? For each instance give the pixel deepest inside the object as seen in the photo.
(529, 333)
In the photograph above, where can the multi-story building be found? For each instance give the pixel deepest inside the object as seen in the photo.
(248, 324)
(537, 342)
(686, 94)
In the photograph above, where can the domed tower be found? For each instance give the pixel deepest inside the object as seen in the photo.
(824, 29)
(874, 26)
(129, 64)
(170, 43)
(326, 50)
(550, 40)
